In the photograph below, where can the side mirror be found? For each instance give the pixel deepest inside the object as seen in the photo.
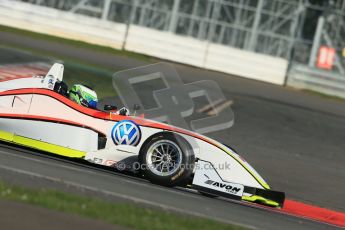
(110, 107)
(136, 107)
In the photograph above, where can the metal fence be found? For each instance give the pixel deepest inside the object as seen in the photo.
(275, 27)
(264, 26)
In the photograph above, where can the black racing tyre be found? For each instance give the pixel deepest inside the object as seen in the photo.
(167, 159)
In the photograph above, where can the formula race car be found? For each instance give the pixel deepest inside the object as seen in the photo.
(36, 112)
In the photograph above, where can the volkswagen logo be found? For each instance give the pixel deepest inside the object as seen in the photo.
(126, 133)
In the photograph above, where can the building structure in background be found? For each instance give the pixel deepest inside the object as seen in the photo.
(294, 30)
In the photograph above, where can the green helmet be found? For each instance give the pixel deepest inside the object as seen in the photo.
(84, 96)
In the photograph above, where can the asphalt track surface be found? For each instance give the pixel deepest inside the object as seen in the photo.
(295, 140)
(23, 166)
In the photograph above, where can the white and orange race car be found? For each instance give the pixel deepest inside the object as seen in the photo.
(35, 113)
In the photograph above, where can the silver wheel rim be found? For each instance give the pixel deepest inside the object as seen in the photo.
(164, 158)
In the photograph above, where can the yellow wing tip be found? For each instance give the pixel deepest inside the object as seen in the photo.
(260, 200)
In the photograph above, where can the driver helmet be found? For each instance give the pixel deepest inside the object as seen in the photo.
(83, 95)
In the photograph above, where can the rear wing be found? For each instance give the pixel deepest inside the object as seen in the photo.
(55, 74)
(56, 71)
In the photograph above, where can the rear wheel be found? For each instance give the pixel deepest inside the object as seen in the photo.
(167, 159)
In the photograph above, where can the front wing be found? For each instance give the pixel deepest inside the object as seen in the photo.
(207, 180)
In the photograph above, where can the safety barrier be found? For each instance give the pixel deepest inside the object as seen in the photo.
(323, 81)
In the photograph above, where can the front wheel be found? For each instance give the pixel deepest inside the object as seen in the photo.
(168, 160)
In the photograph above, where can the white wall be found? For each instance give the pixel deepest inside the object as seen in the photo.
(143, 40)
(59, 23)
(247, 64)
(203, 54)
(166, 45)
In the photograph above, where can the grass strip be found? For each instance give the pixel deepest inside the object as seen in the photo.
(122, 214)
(323, 95)
(75, 43)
